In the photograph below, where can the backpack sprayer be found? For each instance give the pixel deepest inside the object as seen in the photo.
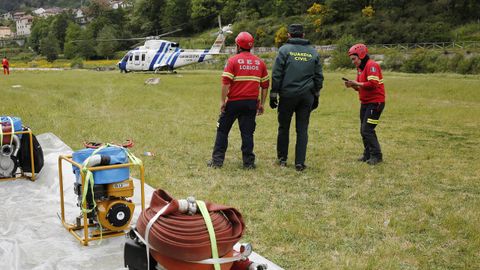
(104, 191)
(18, 154)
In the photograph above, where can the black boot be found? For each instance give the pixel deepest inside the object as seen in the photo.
(375, 159)
(363, 158)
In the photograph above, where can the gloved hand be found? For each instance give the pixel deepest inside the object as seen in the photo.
(273, 102)
(315, 103)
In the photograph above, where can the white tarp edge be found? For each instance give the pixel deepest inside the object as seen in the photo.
(31, 233)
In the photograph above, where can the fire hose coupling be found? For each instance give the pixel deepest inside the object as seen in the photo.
(8, 150)
(188, 206)
(98, 160)
(258, 266)
(246, 250)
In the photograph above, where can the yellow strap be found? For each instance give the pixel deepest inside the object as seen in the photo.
(211, 231)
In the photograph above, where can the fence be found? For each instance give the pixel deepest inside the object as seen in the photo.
(400, 46)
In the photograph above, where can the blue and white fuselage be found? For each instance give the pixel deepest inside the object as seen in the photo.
(156, 55)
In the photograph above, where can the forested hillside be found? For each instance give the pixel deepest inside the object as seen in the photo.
(374, 21)
(12, 5)
(326, 22)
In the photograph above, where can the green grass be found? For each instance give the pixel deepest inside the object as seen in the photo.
(420, 209)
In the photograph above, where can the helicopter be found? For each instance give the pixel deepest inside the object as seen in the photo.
(163, 55)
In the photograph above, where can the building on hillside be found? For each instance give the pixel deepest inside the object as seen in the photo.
(38, 11)
(5, 32)
(7, 16)
(52, 12)
(18, 15)
(119, 4)
(24, 24)
(79, 16)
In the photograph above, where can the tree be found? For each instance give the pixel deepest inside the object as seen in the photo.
(86, 45)
(72, 35)
(281, 36)
(40, 29)
(146, 17)
(59, 26)
(203, 13)
(49, 47)
(368, 11)
(106, 47)
(177, 12)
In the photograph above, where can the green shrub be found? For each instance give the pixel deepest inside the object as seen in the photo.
(76, 62)
(454, 62)
(394, 60)
(469, 65)
(475, 68)
(422, 61)
(340, 57)
(442, 64)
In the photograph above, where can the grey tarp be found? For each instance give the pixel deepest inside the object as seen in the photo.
(31, 233)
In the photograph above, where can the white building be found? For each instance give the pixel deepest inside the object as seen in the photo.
(5, 32)
(80, 17)
(7, 16)
(18, 15)
(39, 11)
(24, 24)
(119, 4)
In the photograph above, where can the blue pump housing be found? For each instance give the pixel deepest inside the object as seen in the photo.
(117, 156)
(17, 123)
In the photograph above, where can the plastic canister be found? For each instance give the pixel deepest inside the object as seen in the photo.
(117, 155)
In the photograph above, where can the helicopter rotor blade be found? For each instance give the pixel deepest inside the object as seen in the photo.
(127, 39)
(167, 33)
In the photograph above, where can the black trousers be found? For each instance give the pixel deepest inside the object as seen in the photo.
(301, 106)
(245, 111)
(369, 118)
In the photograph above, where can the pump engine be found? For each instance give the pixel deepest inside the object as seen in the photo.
(9, 148)
(111, 207)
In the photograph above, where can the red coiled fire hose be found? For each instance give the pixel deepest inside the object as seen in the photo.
(178, 239)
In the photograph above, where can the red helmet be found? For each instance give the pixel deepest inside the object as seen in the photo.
(358, 49)
(244, 40)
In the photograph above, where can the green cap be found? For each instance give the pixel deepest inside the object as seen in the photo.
(296, 29)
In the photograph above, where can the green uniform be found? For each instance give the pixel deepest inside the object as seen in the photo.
(297, 69)
(297, 78)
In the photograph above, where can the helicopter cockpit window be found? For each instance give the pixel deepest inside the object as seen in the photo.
(131, 57)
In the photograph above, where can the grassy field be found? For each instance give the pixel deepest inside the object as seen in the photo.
(420, 209)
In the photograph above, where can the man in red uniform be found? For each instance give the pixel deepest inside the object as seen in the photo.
(6, 66)
(371, 91)
(243, 76)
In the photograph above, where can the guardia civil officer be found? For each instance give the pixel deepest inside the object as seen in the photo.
(297, 79)
(371, 91)
(242, 78)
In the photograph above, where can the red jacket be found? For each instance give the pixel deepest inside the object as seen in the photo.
(373, 89)
(5, 62)
(246, 73)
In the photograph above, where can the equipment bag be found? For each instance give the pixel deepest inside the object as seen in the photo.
(24, 154)
(109, 155)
